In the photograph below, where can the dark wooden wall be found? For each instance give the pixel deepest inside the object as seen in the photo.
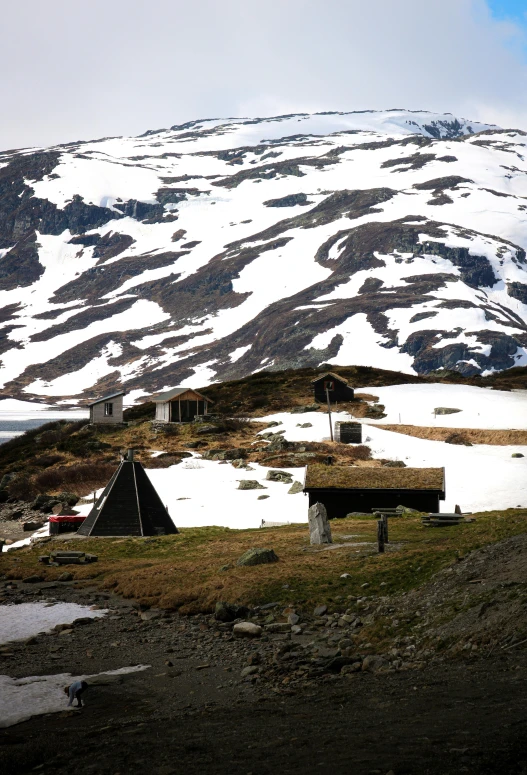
(343, 502)
(340, 392)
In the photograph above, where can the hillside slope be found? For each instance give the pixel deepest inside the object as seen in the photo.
(218, 248)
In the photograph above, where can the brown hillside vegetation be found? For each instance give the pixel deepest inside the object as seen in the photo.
(500, 438)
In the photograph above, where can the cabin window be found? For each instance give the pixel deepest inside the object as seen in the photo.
(108, 410)
(329, 385)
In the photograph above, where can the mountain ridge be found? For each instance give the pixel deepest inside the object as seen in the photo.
(115, 270)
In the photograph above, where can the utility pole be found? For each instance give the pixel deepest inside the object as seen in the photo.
(329, 415)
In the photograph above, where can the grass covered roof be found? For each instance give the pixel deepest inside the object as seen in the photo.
(320, 476)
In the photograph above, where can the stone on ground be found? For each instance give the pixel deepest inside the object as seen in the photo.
(250, 484)
(295, 488)
(257, 557)
(247, 630)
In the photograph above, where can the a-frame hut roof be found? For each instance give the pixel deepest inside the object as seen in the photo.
(129, 505)
(107, 398)
(329, 374)
(175, 392)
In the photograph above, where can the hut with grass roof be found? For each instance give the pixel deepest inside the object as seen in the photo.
(346, 489)
(129, 506)
(330, 385)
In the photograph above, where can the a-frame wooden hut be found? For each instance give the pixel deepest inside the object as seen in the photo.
(128, 506)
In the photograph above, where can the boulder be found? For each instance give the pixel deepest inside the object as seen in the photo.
(305, 408)
(257, 557)
(279, 476)
(319, 529)
(249, 670)
(32, 525)
(247, 630)
(250, 484)
(295, 488)
(228, 612)
(202, 430)
(517, 454)
(446, 410)
(373, 663)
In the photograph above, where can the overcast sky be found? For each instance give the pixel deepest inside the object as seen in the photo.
(78, 70)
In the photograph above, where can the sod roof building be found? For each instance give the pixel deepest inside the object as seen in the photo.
(332, 386)
(128, 506)
(344, 489)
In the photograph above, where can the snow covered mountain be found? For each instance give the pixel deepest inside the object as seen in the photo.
(222, 247)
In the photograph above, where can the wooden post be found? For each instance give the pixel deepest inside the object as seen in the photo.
(380, 535)
(329, 415)
(385, 523)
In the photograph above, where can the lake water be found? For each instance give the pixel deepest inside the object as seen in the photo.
(15, 422)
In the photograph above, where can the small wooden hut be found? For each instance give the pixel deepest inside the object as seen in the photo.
(128, 506)
(343, 489)
(181, 404)
(332, 385)
(108, 409)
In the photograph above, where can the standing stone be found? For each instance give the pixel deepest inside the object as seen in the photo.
(319, 529)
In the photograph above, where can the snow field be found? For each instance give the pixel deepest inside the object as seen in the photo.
(23, 698)
(18, 622)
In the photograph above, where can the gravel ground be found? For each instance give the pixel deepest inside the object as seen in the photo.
(215, 703)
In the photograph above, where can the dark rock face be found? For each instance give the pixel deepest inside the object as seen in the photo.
(288, 201)
(21, 265)
(518, 291)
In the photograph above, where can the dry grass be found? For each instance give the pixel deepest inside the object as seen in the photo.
(472, 435)
(184, 571)
(322, 476)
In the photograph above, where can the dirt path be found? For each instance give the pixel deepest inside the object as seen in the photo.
(193, 712)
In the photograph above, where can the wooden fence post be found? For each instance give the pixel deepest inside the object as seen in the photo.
(380, 535)
(385, 524)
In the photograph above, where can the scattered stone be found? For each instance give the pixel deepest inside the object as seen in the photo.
(250, 484)
(33, 579)
(262, 497)
(295, 488)
(355, 667)
(254, 659)
(32, 525)
(257, 557)
(305, 408)
(247, 630)
(345, 575)
(296, 629)
(517, 454)
(446, 410)
(373, 663)
(304, 425)
(293, 618)
(320, 610)
(250, 670)
(319, 529)
(226, 567)
(394, 464)
(148, 616)
(278, 627)
(279, 476)
(202, 430)
(66, 576)
(228, 612)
